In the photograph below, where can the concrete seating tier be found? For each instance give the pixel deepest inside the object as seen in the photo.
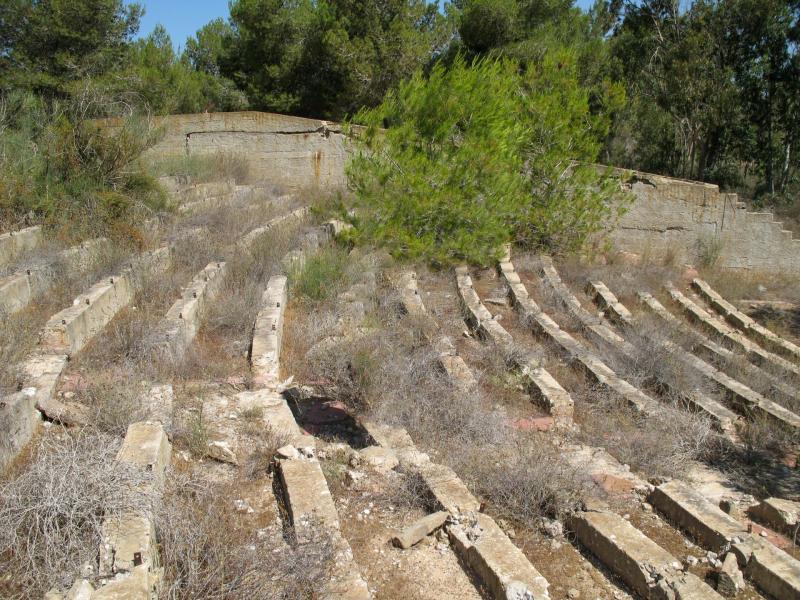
(747, 325)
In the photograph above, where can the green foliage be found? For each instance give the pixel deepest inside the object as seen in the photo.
(478, 155)
(322, 275)
(326, 59)
(45, 46)
(714, 90)
(57, 166)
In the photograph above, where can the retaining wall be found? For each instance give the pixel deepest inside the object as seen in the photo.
(691, 220)
(290, 152)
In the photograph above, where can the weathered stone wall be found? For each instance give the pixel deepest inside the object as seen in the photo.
(687, 220)
(289, 152)
(690, 220)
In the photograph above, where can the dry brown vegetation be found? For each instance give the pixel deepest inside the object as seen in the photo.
(210, 552)
(51, 514)
(388, 369)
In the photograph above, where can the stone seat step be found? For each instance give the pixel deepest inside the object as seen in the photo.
(646, 567)
(693, 513)
(746, 400)
(591, 364)
(14, 243)
(312, 512)
(709, 323)
(747, 325)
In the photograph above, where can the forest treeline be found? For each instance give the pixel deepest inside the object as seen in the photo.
(699, 89)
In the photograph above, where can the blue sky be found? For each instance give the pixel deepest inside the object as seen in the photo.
(183, 18)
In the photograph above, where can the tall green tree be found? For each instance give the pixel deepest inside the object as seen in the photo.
(46, 45)
(453, 165)
(327, 59)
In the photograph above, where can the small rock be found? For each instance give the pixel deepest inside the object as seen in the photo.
(516, 590)
(553, 529)
(243, 507)
(573, 594)
(677, 566)
(353, 478)
(80, 590)
(763, 534)
(69, 395)
(729, 579)
(222, 452)
(287, 451)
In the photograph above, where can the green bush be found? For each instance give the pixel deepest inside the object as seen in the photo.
(58, 167)
(453, 165)
(323, 275)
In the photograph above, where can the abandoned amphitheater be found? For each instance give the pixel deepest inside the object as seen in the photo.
(254, 427)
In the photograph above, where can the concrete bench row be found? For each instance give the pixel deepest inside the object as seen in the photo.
(128, 565)
(640, 562)
(746, 400)
(184, 317)
(716, 327)
(750, 327)
(250, 238)
(533, 316)
(723, 418)
(554, 398)
(458, 373)
(712, 351)
(14, 243)
(18, 289)
(202, 191)
(770, 568)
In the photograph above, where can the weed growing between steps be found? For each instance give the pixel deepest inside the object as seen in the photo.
(51, 514)
(210, 552)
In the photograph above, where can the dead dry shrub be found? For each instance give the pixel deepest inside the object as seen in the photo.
(210, 553)
(115, 400)
(51, 514)
(660, 444)
(525, 478)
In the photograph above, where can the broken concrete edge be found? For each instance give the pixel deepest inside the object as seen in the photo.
(14, 243)
(265, 349)
(128, 560)
(605, 299)
(746, 324)
(419, 530)
(335, 227)
(410, 300)
(495, 559)
(779, 514)
(637, 560)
